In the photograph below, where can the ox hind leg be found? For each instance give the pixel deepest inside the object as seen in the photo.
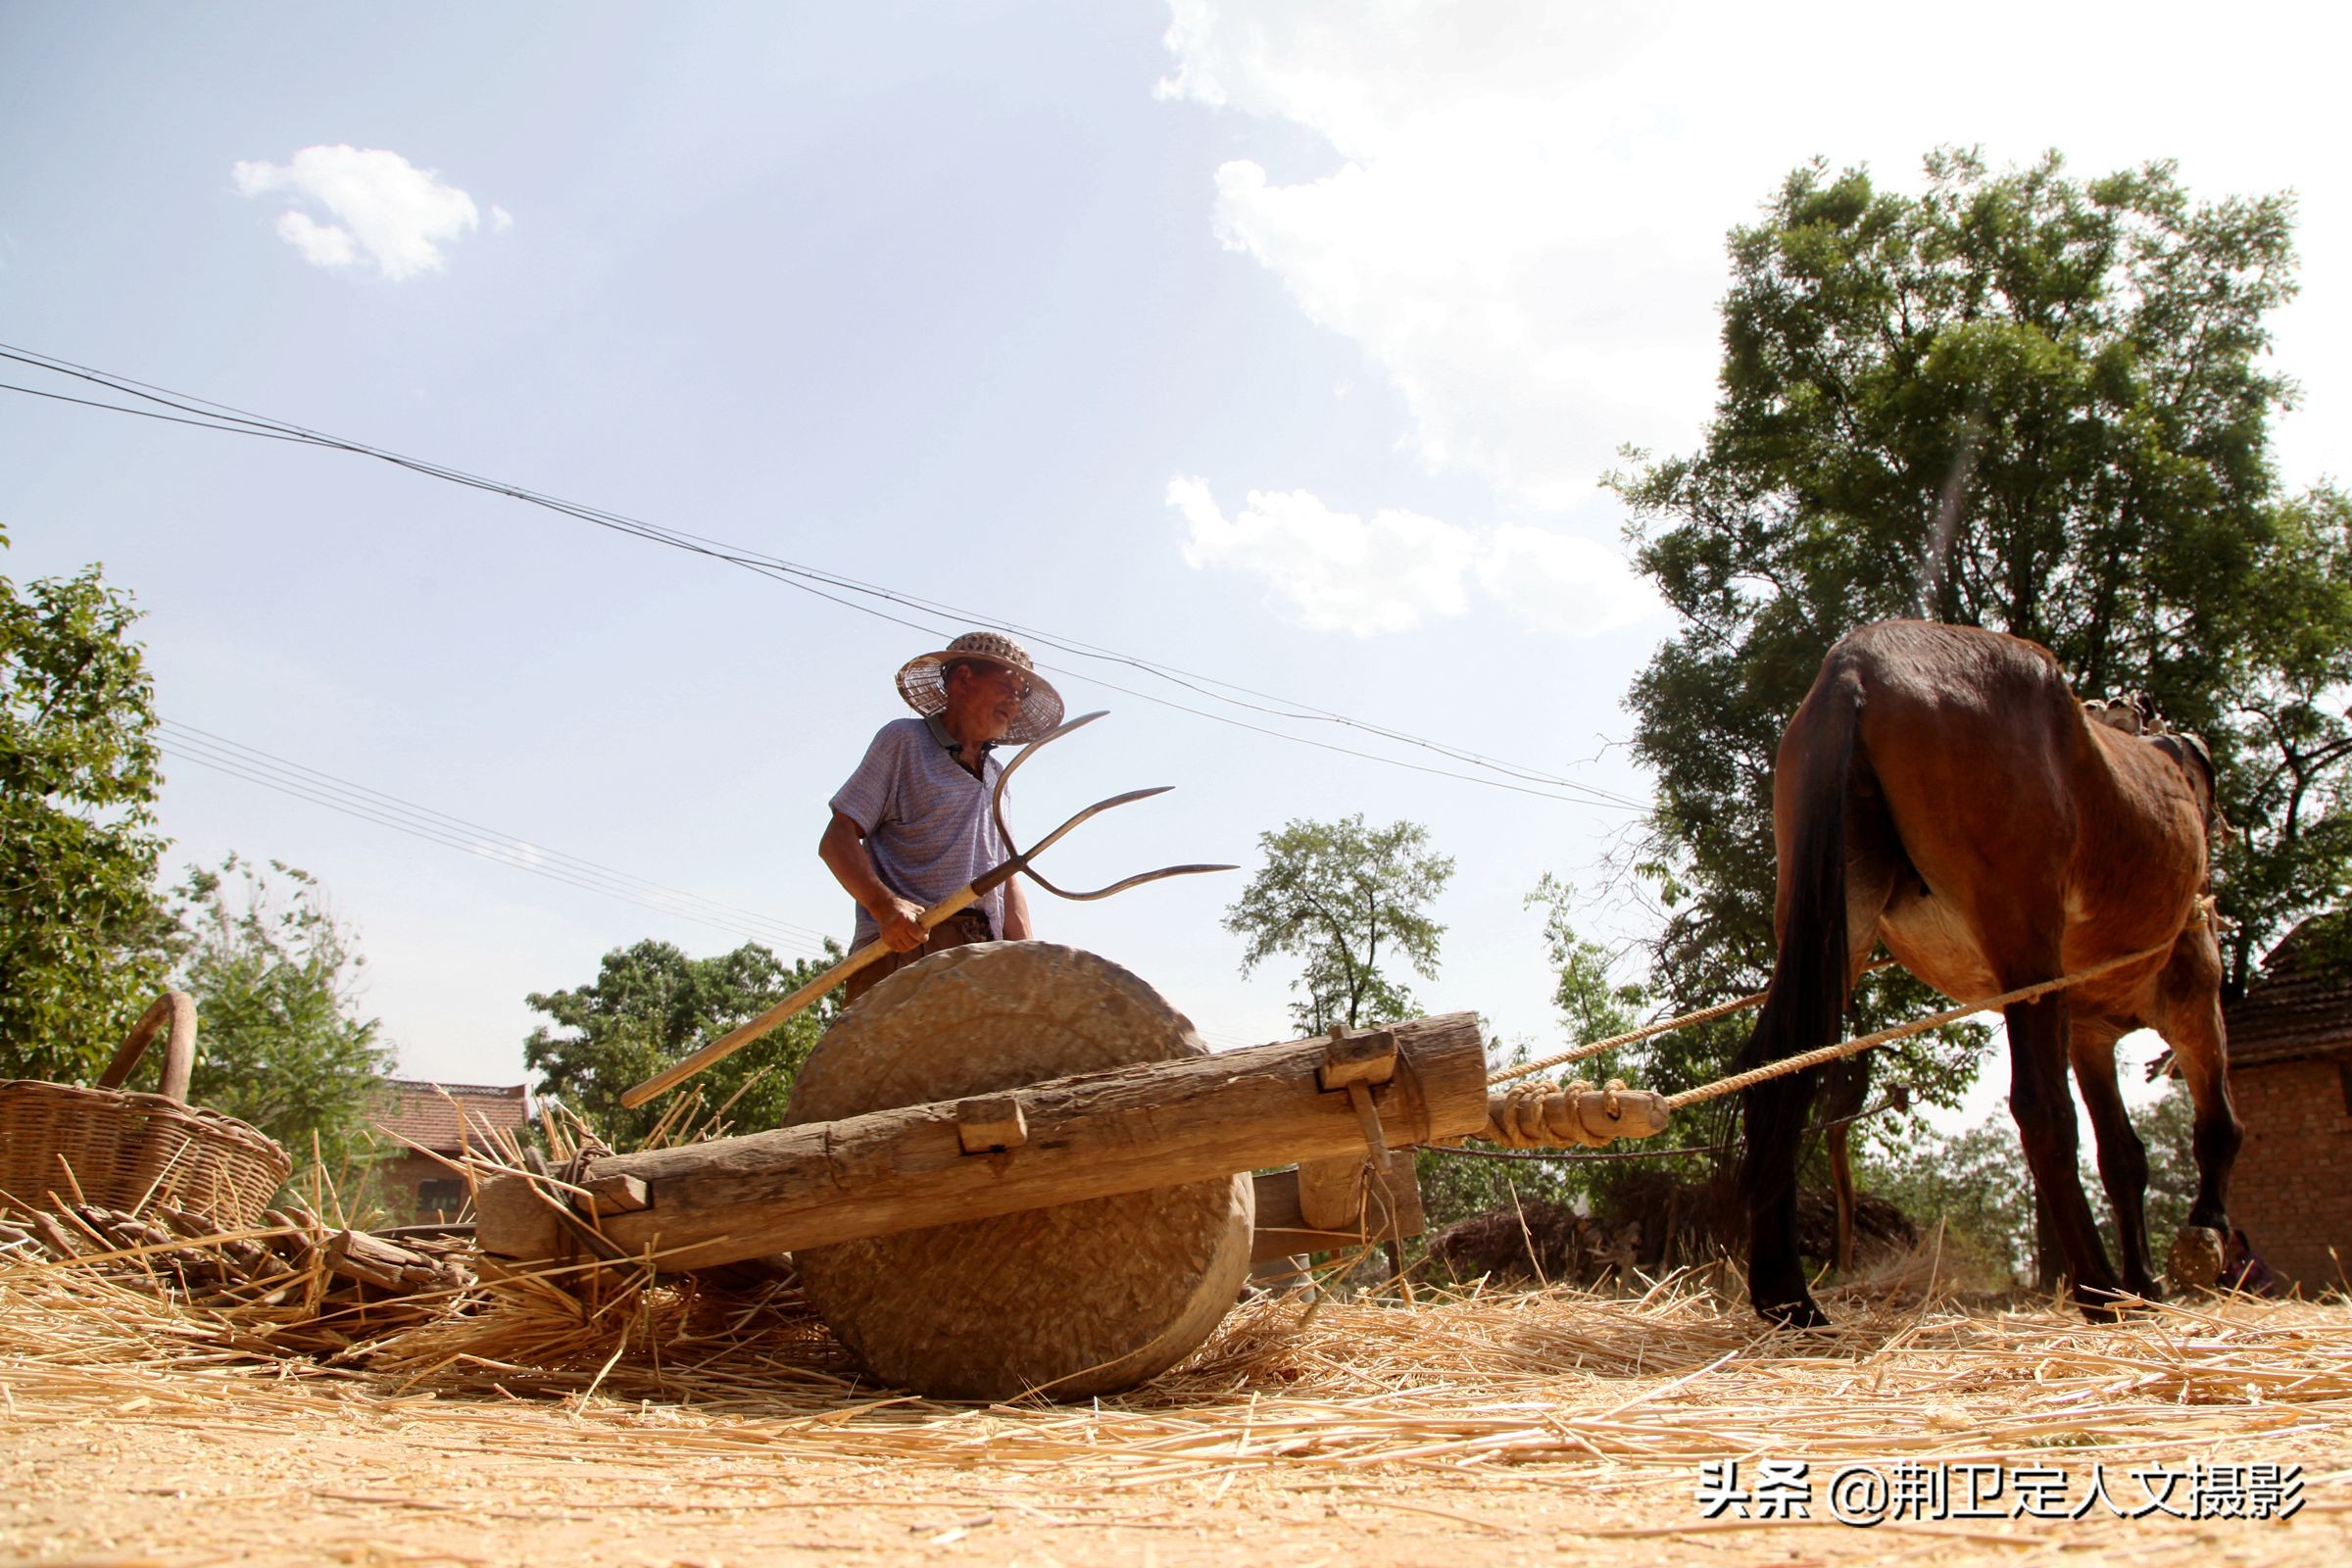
(2192, 1027)
(2045, 1124)
(1874, 860)
(1776, 1110)
(1847, 1085)
(1821, 783)
(2123, 1156)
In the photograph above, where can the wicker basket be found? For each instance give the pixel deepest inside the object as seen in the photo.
(60, 1143)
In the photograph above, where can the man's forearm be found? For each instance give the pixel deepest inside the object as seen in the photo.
(845, 856)
(843, 849)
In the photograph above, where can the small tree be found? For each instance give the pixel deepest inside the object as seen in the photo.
(280, 1043)
(2167, 1129)
(650, 1006)
(85, 940)
(1344, 899)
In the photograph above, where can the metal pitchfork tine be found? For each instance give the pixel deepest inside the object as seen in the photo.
(986, 882)
(1022, 857)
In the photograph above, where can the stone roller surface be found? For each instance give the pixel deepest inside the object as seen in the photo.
(1069, 1302)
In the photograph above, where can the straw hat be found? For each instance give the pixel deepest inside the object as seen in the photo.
(923, 682)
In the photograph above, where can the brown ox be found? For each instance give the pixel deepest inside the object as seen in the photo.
(1941, 791)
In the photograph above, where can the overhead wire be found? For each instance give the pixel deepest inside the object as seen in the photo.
(1190, 680)
(525, 846)
(188, 743)
(205, 413)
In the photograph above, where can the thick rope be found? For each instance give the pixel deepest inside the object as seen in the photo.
(1576, 1156)
(1935, 1020)
(1593, 1048)
(1572, 1157)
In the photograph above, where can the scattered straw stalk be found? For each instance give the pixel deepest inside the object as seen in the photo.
(1644, 1382)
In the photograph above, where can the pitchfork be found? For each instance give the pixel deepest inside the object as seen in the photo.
(986, 882)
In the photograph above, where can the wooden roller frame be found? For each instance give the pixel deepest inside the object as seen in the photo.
(1344, 1099)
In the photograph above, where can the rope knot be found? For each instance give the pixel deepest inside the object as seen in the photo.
(1545, 1115)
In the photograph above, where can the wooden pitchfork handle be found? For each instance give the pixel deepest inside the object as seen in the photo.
(736, 1039)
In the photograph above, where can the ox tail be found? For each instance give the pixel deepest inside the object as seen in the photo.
(1805, 1004)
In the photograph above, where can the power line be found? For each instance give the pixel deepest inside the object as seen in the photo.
(794, 574)
(534, 850)
(1190, 680)
(204, 413)
(188, 743)
(283, 786)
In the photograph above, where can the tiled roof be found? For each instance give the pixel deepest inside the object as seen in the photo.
(426, 1114)
(2301, 1004)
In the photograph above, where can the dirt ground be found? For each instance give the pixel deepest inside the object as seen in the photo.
(259, 1485)
(1547, 1426)
(263, 1487)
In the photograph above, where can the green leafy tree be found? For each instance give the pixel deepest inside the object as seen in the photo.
(1345, 900)
(650, 1006)
(2288, 737)
(280, 1041)
(2018, 401)
(84, 938)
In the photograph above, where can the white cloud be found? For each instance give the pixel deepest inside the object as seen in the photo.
(399, 216)
(1525, 230)
(1563, 583)
(1355, 69)
(501, 220)
(1330, 570)
(1335, 571)
(321, 244)
(1474, 241)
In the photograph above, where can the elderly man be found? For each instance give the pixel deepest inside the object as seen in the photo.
(913, 824)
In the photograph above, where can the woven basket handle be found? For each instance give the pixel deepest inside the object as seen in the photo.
(179, 1048)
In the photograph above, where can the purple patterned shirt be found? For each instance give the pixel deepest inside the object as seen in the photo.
(927, 820)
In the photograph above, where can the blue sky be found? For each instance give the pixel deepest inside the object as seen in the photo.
(1281, 344)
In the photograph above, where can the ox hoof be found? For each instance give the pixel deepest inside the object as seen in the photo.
(2102, 1306)
(1802, 1314)
(2196, 1260)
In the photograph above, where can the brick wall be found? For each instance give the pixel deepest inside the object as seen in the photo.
(2291, 1192)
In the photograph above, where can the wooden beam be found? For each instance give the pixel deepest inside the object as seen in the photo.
(1157, 1124)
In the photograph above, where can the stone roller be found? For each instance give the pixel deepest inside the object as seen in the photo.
(1072, 1300)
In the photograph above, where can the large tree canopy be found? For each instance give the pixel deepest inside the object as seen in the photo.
(84, 938)
(651, 1004)
(2019, 401)
(1349, 902)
